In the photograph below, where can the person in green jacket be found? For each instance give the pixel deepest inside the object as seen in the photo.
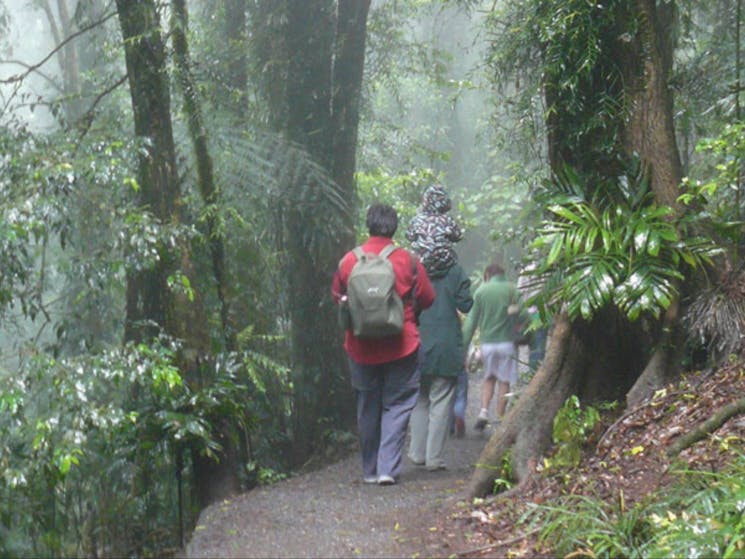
(441, 358)
(499, 316)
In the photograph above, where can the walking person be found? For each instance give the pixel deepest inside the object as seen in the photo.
(496, 312)
(384, 370)
(441, 358)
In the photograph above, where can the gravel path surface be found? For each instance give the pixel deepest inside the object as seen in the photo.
(330, 513)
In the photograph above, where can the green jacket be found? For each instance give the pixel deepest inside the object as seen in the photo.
(442, 353)
(489, 313)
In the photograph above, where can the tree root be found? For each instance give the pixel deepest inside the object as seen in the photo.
(707, 427)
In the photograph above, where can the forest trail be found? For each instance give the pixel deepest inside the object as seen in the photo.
(331, 513)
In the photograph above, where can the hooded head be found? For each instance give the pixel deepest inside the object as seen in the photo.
(436, 200)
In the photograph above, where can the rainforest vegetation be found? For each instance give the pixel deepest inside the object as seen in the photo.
(179, 178)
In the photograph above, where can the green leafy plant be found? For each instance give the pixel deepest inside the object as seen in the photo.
(591, 527)
(403, 192)
(572, 426)
(704, 517)
(617, 248)
(505, 479)
(76, 431)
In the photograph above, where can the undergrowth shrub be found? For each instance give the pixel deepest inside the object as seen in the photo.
(701, 515)
(573, 425)
(592, 526)
(95, 450)
(705, 516)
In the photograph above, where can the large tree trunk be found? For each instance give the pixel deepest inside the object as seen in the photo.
(146, 62)
(151, 306)
(579, 357)
(573, 365)
(351, 33)
(324, 75)
(348, 72)
(651, 133)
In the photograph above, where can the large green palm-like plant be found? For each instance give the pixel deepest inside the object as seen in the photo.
(618, 248)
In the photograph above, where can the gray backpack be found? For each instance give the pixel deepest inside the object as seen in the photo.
(375, 309)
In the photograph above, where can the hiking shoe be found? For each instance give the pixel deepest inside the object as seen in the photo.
(437, 468)
(481, 420)
(370, 479)
(386, 480)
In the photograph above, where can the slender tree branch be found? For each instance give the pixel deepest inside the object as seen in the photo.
(50, 54)
(34, 70)
(87, 118)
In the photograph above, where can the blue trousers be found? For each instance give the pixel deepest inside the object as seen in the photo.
(461, 395)
(386, 395)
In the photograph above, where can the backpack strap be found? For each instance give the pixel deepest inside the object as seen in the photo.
(412, 292)
(388, 250)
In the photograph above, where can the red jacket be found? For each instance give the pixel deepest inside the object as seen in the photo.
(373, 351)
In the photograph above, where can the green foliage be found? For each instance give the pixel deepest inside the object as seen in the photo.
(619, 248)
(503, 206)
(505, 478)
(592, 527)
(720, 192)
(405, 119)
(264, 475)
(704, 517)
(76, 434)
(572, 426)
(403, 192)
(700, 515)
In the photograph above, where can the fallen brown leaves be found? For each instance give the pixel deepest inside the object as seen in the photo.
(629, 461)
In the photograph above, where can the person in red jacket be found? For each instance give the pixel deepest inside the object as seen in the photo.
(384, 371)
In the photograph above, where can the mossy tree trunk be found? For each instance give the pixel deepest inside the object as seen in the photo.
(205, 173)
(651, 134)
(608, 356)
(152, 307)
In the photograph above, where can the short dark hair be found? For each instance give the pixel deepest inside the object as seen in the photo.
(493, 269)
(382, 220)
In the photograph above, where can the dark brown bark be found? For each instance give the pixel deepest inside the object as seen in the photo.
(310, 40)
(145, 59)
(650, 131)
(651, 134)
(149, 300)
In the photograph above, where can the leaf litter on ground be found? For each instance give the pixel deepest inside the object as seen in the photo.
(628, 461)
